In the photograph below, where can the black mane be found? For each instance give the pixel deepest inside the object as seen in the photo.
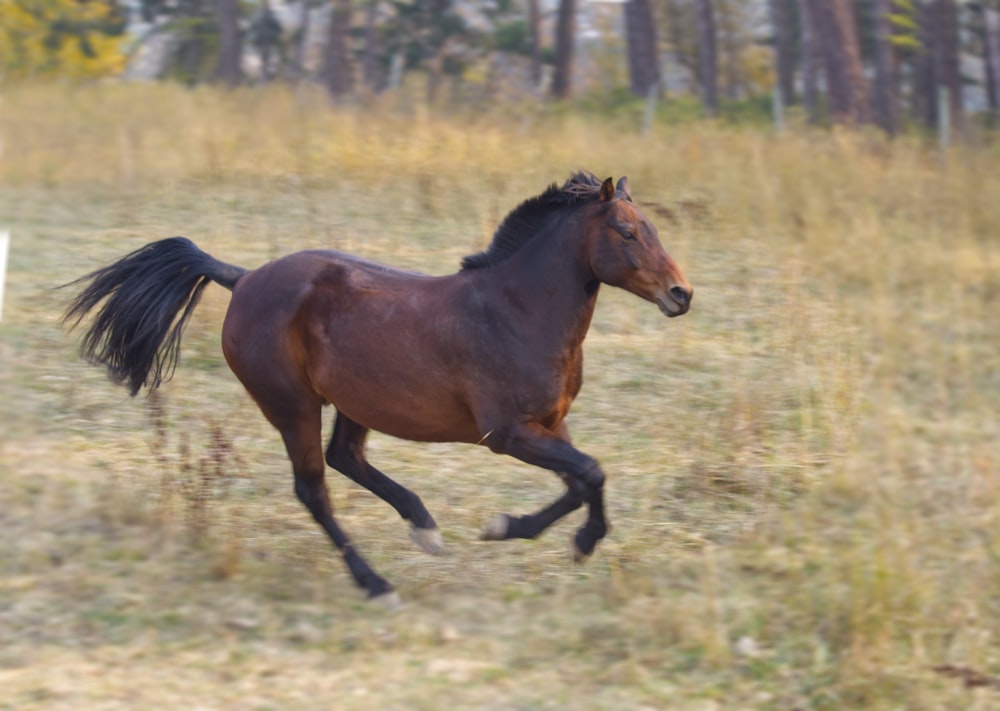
(525, 220)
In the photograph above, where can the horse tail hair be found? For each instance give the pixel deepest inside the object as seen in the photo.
(136, 332)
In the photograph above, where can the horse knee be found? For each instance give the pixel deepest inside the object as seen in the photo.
(575, 490)
(304, 492)
(311, 491)
(592, 475)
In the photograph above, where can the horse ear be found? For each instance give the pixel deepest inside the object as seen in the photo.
(623, 188)
(608, 190)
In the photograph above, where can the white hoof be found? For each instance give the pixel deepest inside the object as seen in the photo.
(496, 529)
(429, 539)
(387, 601)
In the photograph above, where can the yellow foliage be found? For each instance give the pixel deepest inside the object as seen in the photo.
(66, 38)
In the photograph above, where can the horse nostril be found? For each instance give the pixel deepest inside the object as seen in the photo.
(680, 295)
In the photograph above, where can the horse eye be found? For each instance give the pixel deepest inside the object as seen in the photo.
(630, 236)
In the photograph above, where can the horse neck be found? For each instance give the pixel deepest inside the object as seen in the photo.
(551, 285)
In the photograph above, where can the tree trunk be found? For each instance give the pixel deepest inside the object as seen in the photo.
(535, 29)
(643, 54)
(981, 29)
(991, 42)
(373, 76)
(337, 71)
(948, 58)
(925, 69)
(565, 37)
(847, 88)
(682, 41)
(707, 56)
(886, 76)
(989, 77)
(228, 70)
(299, 48)
(435, 45)
(266, 33)
(784, 69)
(809, 51)
(728, 48)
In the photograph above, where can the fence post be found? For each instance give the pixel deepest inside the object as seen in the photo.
(649, 114)
(944, 118)
(778, 107)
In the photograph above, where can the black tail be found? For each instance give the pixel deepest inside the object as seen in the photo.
(136, 333)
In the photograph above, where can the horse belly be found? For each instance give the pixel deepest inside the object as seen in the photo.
(387, 368)
(401, 404)
(422, 424)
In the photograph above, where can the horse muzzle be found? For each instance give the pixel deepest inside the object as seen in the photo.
(676, 301)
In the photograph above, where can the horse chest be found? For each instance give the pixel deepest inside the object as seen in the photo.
(547, 395)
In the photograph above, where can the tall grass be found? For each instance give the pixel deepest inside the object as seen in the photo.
(803, 471)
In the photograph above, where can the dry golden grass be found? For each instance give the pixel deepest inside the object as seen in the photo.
(803, 471)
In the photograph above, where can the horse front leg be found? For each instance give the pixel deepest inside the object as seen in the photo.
(534, 444)
(504, 526)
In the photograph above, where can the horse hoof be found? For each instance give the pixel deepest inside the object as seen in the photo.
(497, 528)
(581, 552)
(387, 600)
(429, 539)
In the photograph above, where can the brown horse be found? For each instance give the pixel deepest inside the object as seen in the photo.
(491, 355)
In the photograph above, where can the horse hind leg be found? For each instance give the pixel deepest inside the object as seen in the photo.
(302, 440)
(346, 454)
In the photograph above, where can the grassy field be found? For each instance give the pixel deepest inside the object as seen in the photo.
(804, 477)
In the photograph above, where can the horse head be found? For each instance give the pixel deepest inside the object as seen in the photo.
(625, 251)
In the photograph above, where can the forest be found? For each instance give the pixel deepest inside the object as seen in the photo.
(897, 64)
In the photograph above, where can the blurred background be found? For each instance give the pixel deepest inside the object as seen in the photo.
(803, 472)
(894, 63)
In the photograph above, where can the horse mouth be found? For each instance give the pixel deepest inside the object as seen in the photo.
(669, 308)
